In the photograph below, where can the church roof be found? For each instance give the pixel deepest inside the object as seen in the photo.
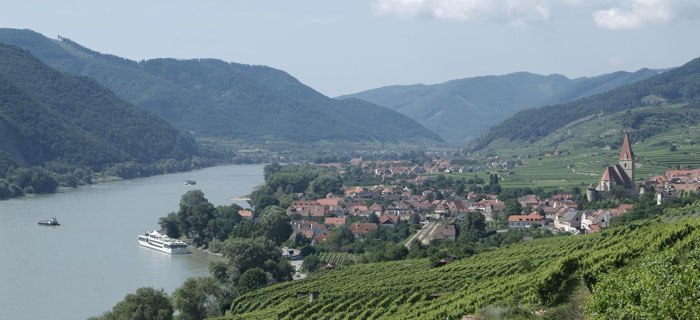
(626, 151)
(618, 175)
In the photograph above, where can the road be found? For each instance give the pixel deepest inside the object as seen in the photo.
(424, 235)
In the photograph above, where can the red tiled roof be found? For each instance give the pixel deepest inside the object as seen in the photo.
(362, 228)
(334, 221)
(389, 217)
(246, 214)
(530, 217)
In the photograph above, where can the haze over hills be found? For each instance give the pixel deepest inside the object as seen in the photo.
(677, 87)
(461, 110)
(50, 116)
(213, 98)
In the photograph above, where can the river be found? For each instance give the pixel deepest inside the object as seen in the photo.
(91, 261)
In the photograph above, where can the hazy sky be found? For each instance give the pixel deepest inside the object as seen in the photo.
(340, 47)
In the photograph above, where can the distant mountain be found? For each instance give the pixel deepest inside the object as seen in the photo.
(213, 98)
(50, 116)
(677, 86)
(461, 110)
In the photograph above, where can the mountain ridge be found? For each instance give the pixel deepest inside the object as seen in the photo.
(461, 109)
(678, 85)
(215, 98)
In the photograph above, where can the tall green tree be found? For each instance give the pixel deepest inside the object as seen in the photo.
(145, 304)
(194, 216)
(252, 279)
(276, 224)
(198, 298)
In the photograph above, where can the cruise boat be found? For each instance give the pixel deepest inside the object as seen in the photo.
(49, 222)
(157, 241)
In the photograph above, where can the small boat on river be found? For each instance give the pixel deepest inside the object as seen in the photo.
(190, 182)
(49, 222)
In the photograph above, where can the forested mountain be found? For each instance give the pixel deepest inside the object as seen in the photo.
(461, 110)
(47, 116)
(214, 98)
(678, 86)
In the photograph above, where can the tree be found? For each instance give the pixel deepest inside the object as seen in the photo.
(170, 225)
(472, 227)
(198, 298)
(326, 184)
(194, 216)
(276, 225)
(311, 263)
(145, 304)
(513, 207)
(252, 279)
(271, 169)
(226, 218)
(260, 201)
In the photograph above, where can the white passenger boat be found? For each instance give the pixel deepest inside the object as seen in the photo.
(157, 241)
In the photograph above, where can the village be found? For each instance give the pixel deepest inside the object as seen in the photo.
(407, 193)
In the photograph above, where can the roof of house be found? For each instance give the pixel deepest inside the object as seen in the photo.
(389, 218)
(248, 214)
(525, 218)
(332, 201)
(445, 230)
(334, 221)
(570, 216)
(362, 228)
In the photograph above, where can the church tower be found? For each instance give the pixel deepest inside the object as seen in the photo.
(627, 157)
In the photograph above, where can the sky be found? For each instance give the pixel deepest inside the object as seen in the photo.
(342, 47)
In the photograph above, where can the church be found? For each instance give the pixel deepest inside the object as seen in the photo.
(621, 174)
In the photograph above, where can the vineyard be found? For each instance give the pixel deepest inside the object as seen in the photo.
(338, 258)
(536, 274)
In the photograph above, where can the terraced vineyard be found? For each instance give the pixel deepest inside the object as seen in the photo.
(338, 258)
(587, 147)
(533, 274)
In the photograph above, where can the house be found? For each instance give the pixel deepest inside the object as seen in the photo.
(376, 208)
(445, 231)
(331, 203)
(595, 220)
(570, 221)
(362, 229)
(529, 201)
(525, 221)
(388, 220)
(308, 229)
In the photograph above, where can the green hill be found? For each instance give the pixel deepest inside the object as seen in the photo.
(547, 277)
(213, 98)
(663, 137)
(677, 86)
(461, 110)
(49, 117)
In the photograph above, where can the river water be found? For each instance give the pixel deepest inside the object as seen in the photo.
(91, 261)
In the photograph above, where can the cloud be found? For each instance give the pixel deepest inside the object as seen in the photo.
(608, 14)
(515, 12)
(633, 14)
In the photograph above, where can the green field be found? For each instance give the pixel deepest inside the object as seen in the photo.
(534, 275)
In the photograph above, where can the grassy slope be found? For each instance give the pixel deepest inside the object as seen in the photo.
(588, 146)
(528, 274)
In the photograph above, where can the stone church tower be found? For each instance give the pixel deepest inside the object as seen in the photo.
(627, 157)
